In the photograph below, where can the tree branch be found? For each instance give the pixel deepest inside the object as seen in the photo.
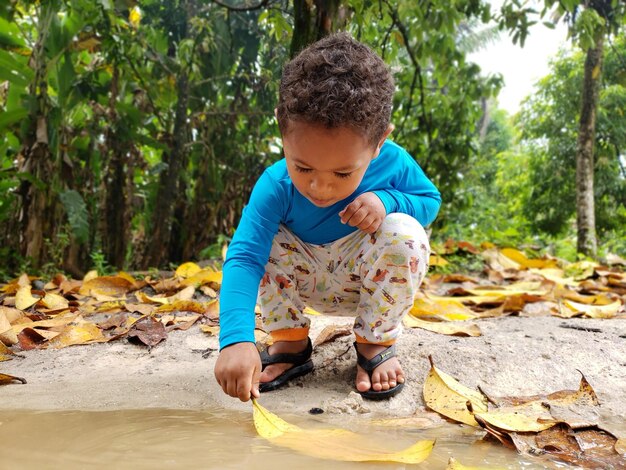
(417, 76)
(260, 5)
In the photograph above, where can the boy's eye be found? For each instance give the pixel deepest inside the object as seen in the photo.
(302, 169)
(343, 175)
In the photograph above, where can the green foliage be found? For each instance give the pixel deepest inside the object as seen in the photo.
(77, 215)
(549, 123)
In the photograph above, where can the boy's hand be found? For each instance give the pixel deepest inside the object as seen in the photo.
(237, 370)
(366, 212)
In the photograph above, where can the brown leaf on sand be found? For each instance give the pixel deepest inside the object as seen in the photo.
(148, 331)
(29, 338)
(5, 353)
(332, 332)
(109, 286)
(6, 379)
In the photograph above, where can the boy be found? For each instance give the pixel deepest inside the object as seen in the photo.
(336, 225)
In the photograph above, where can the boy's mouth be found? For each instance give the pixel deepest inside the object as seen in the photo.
(321, 202)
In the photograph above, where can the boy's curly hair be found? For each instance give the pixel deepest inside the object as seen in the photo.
(337, 82)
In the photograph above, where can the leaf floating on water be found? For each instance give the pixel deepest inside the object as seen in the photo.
(6, 379)
(454, 464)
(332, 444)
(446, 396)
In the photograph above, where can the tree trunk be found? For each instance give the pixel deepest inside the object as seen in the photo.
(167, 193)
(313, 21)
(35, 214)
(585, 207)
(114, 232)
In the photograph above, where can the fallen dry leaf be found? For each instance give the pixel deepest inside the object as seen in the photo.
(6, 379)
(210, 329)
(148, 331)
(5, 353)
(24, 299)
(187, 270)
(332, 332)
(444, 328)
(446, 396)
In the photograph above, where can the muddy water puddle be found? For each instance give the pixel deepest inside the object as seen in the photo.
(215, 439)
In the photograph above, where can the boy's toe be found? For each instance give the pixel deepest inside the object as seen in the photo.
(363, 383)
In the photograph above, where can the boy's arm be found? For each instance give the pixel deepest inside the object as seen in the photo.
(238, 366)
(245, 261)
(412, 192)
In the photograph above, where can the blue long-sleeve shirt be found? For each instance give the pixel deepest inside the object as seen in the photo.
(394, 176)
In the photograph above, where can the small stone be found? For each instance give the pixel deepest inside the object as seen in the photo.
(316, 411)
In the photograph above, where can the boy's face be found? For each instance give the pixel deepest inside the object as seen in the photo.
(327, 165)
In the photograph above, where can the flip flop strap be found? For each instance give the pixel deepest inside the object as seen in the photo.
(288, 358)
(370, 364)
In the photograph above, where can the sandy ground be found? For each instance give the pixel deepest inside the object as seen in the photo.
(514, 356)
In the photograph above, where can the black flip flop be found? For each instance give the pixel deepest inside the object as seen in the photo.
(369, 365)
(302, 365)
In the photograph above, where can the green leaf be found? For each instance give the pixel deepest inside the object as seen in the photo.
(9, 117)
(10, 34)
(13, 70)
(77, 215)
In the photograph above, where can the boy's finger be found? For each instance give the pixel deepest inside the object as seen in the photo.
(256, 378)
(243, 390)
(358, 217)
(349, 211)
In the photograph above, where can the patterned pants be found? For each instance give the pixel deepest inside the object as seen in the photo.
(374, 277)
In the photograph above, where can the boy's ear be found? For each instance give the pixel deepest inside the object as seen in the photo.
(389, 130)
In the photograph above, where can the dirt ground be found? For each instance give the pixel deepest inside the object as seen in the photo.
(515, 356)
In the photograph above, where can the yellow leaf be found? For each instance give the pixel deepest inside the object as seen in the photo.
(436, 260)
(134, 17)
(454, 464)
(109, 286)
(522, 260)
(620, 447)
(186, 270)
(310, 311)
(12, 314)
(448, 397)
(185, 294)
(595, 311)
(498, 261)
(333, 444)
(54, 301)
(8, 335)
(5, 353)
(205, 276)
(442, 308)
(446, 328)
(530, 417)
(59, 320)
(555, 275)
(79, 333)
(90, 275)
(183, 306)
(211, 330)
(24, 299)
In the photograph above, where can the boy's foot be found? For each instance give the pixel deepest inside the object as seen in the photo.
(386, 376)
(296, 356)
